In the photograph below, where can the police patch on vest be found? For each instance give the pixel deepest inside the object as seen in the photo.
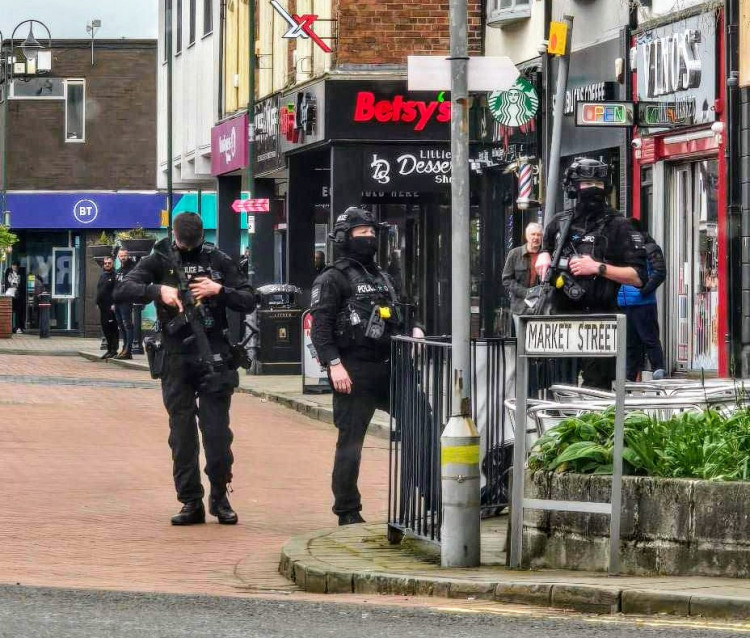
(637, 239)
(315, 296)
(364, 289)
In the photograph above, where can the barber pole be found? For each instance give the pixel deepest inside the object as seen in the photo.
(525, 182)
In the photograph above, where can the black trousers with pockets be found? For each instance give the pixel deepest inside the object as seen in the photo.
(189, 409)
(352, 414)
(109, 327)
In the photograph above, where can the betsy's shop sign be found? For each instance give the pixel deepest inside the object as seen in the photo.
(385, 111)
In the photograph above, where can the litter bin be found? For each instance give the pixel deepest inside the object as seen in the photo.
(279, 330)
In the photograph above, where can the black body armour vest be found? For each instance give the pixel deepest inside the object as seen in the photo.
(369, 316)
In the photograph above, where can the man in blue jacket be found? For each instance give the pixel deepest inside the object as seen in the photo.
(639, 306)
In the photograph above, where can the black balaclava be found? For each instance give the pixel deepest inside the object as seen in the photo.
(591, 200)
(361, 248)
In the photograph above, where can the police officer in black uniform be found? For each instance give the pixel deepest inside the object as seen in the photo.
(602, 251)
(355, 313)
(217, 283)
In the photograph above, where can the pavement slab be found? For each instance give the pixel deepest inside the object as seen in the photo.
(86, 471)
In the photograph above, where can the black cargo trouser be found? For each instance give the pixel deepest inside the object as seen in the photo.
(185, 401)
(352, 414)
(109, 327)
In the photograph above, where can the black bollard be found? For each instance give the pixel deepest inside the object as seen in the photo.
(44, 310)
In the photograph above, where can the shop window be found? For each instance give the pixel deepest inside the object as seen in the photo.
(178, 28)
(191, 18)
(502, 12)
(75, 111)
(208, 17)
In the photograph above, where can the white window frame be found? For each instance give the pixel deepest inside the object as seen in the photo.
(12, 93)
(81, 82)
(499, 17)
(73, 272)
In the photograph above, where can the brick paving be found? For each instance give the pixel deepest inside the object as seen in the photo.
(88, 492)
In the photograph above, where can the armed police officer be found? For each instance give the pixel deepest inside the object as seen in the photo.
(600, 251)
(194, 383)
(355, 313)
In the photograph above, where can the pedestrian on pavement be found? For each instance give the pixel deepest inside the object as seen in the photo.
(519, 273)
(13, 289)
(319, 260)
(124, 311)
(105, 288)
(639, 306)
(355, 314)
(189, 388)
(602, 250)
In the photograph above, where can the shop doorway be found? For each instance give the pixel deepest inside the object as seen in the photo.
(692, 258)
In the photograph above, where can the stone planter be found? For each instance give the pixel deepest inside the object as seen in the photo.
(669, 526)
(100, 251)
(138, 247)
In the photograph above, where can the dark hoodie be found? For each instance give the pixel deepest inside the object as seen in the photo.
(105, 288)
(143, 283)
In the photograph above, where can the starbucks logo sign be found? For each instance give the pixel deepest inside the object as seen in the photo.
(516, 106)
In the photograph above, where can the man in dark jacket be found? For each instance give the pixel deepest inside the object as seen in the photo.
(639, 306)
(124, 311)
(519, 273)
(105, 301)
(191, 387)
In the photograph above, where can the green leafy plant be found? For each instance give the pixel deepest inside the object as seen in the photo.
(135, 233)
(7, 238)
(705, 445)
(104, 239)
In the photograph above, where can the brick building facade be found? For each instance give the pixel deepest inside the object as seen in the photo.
(386, 32)
(119, 151)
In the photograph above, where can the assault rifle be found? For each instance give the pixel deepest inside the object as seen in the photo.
(539, 298)
(194, 315)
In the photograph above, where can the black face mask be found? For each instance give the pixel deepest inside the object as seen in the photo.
(362, 248)
(592, 197)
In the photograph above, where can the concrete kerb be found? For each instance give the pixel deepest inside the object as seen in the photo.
(313, 575)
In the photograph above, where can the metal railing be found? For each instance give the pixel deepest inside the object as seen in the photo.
(420, 407)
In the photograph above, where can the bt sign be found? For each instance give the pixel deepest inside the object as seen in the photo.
(85, 211)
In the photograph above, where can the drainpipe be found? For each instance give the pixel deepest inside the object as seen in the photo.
(170, 58)
(222, 24)
(738, 212)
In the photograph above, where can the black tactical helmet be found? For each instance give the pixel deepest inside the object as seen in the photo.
(584, 169)
(351, 218)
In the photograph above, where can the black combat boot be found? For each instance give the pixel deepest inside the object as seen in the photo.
(219, 507)
(192, 513)
(350, 518)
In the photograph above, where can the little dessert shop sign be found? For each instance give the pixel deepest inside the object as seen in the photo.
(406, 168)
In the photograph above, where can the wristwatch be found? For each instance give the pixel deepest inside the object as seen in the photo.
(334, 362)
(602, 270)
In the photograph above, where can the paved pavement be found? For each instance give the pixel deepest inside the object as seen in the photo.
(87, 477)
(86, 472)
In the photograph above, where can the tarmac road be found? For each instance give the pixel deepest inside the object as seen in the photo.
(47, 613)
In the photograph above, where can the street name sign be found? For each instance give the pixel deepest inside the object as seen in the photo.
(251, 206)
(571, 337)
(552, 337)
